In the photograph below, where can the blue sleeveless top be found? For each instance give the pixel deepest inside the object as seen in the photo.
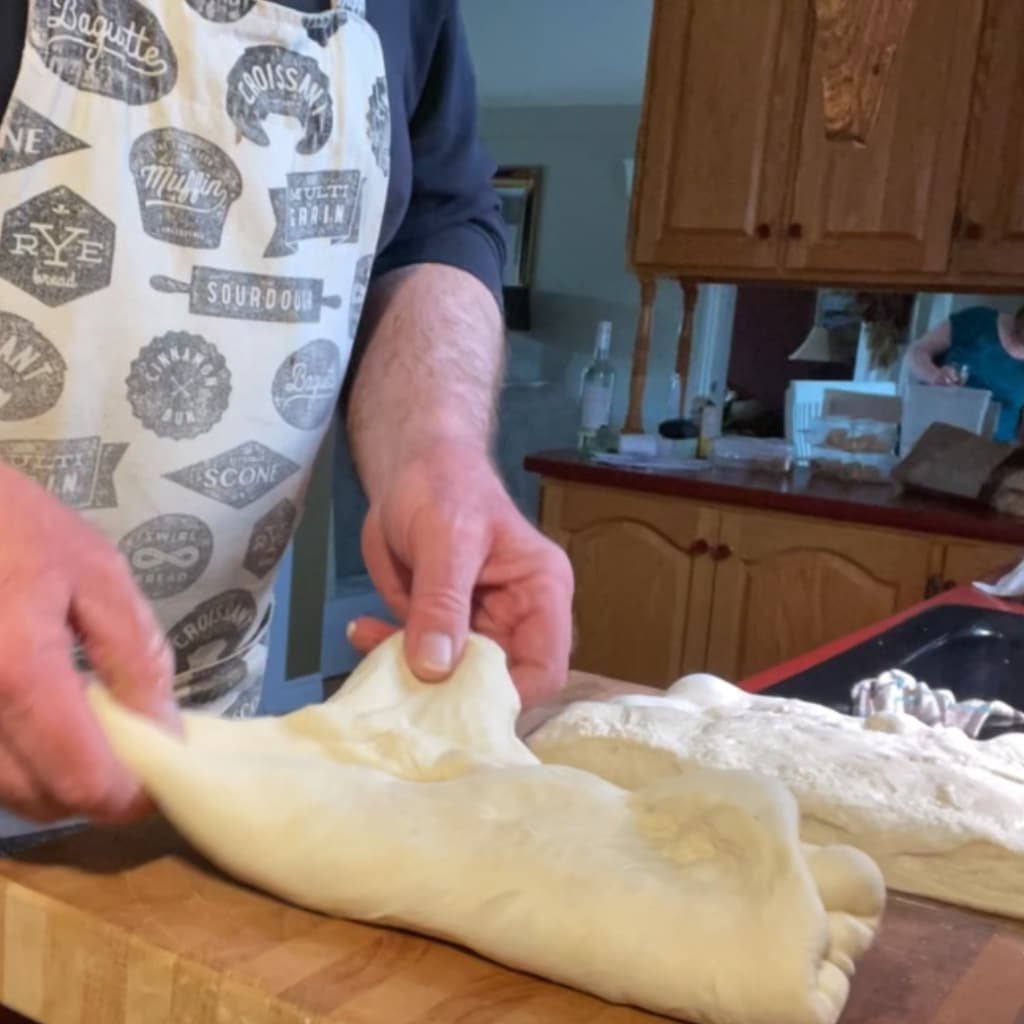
(976, 345)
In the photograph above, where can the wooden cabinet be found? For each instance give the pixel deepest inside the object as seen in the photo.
(785, 585)
(638, 560)
(889, 205)
(990, 235)
(736, 179)
(668, 585)
(964, 562)
(722, 94)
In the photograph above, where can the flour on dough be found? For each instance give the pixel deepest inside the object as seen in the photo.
(941, 814)
(415, 805)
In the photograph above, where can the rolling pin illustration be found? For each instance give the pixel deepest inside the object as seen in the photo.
(241, 296)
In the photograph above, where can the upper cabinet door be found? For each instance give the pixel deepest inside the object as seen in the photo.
(724, 78)
(889, 206)
(990, 239)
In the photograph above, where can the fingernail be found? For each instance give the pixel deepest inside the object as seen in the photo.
(350, 630)
(435, 652)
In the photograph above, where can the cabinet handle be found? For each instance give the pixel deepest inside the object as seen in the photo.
(974, 231)
(698, 548)
(764, 231)
(936, 585)
(796, 230)
(721, 552)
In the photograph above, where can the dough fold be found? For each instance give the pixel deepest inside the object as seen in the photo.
(941, 814)
(415, 805)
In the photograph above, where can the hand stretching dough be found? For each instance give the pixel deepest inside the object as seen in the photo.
(943, 815)
(414, 805)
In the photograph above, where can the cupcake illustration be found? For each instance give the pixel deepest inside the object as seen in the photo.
(185, 185)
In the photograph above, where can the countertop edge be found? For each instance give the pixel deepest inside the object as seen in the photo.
(936, 516)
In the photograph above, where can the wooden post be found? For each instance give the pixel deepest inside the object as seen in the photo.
(641, 347)
(857, 41)
(685, 343)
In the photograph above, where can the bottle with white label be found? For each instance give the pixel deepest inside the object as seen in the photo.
(597, 393)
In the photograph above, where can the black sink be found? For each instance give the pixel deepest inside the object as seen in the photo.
(976, 653)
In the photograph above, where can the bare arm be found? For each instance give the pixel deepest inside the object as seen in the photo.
(444, 544)
(923, 353)
(433, 342)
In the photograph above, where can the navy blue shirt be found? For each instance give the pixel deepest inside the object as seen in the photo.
(441, 207)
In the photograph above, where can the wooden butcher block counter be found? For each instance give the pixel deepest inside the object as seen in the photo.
(130, 927)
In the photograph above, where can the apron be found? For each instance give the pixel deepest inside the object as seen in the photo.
(191, 195)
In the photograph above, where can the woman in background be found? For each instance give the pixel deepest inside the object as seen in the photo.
(982, 348)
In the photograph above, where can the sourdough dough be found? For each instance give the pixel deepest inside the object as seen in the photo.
(941, 814)
(415, 805)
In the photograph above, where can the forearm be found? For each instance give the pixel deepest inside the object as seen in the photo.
(924, 354)
(432, 345)
(922, 364)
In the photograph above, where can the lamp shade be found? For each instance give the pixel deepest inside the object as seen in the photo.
(817, 347)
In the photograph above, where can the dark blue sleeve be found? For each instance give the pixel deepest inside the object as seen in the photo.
(454, 215)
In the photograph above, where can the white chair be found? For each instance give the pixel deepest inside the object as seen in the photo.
(968, 408)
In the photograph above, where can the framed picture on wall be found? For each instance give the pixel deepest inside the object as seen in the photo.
(518, 189)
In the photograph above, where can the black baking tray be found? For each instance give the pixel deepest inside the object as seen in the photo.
(976, 653)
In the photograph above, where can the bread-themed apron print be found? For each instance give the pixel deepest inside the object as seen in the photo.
(191, 196)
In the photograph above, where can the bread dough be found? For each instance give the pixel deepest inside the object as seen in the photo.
(941, 814)
(415, 805)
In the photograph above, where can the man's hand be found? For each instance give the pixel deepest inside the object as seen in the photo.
(59, 578)
(449, 552)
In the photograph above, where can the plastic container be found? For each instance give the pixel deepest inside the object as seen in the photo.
(853, 467)
(841, 433)
(753, 454)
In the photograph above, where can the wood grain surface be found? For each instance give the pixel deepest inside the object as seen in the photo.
(130, 927)
(858, 40)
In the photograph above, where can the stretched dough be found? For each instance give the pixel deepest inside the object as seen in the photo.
(415, 805)
(941, 814)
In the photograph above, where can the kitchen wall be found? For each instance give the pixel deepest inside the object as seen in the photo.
(560, 86)
(535, 53)
(580, 276)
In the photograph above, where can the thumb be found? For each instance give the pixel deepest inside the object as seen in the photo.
(445, 571)
(122, 639)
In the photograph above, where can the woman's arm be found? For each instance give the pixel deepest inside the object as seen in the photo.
(922, 355)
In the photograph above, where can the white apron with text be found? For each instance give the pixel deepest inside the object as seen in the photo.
(191, 194)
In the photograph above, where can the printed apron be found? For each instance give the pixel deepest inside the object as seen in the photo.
(191, 194)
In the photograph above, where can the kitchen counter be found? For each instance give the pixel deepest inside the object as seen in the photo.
(733, 572)
(871, 504)
(131, 927)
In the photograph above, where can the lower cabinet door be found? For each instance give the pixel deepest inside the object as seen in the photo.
(785, 585)
(643, 580)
